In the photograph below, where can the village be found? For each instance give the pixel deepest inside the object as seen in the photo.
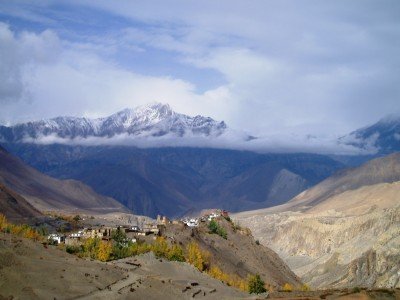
(145, 231)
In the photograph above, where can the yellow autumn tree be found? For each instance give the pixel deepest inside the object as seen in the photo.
(230, 279)
(104, 251)
(3, 221)
(287, 287)
(197, 257)
(160, 247)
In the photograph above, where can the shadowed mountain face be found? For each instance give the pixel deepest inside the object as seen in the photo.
(46, 193)
(171, 181)
(342, 232)
(381, 170)
(382, 137)
(15, 207)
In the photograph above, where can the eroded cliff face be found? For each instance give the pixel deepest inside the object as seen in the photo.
(335, 249)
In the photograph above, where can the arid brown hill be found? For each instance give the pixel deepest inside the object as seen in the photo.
(343, 232)
(15, 207)
(238, 254)
(49, 194)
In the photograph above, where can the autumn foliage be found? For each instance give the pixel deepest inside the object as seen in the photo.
(20, 230)
(197, 257)
(230, 279)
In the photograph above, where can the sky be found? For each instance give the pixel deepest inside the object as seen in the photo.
(289, 68)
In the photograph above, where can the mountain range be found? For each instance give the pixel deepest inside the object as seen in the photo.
(155, 120)
(177, 180)
(173, 181)
(343, 231)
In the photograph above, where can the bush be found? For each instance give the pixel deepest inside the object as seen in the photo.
(287, 287)
(305, 288)
(160, 247)
(215, 228)
(73, 249)
(222, 232)
(230, 279)
(90, 247)
(176, 253)
(257, 242)
(256, 284)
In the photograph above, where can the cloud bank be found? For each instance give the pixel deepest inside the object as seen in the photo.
(231, 139)
(273, 68)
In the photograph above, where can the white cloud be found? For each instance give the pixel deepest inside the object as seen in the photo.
(289, 67)
(231, 139)
(63, 79)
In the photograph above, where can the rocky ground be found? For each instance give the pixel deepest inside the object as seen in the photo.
(335, 250)
(29, 270)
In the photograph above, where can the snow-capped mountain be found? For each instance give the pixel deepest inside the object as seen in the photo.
(382, 137)
(152, 120)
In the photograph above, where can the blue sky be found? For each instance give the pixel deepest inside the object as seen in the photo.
(268, 67)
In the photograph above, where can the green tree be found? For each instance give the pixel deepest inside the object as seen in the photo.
(213, 226)
(256, 284)
(119, 237)
(176, 253)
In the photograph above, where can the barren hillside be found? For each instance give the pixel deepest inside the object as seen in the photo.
(343, 232)
(46, 193)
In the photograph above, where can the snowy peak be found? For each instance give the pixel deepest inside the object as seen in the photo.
(382, 137)
(154, 120)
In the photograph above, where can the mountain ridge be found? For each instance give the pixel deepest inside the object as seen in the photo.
(381, 137)
(154, 120)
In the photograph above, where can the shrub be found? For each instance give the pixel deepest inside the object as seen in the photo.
(230, 279)
(305, 288)
(73, 249)
(222, 232)
(256, 284)
(90, 246)
(160, 247)
(215, 228)
(287, 287)
(257, 242)
(176, 253)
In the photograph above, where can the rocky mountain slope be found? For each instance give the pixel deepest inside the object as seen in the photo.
(343, 232)
(15, 207)
(172, 181)
(46, 193)
(238, 254)
(151, 120)
(382, 137)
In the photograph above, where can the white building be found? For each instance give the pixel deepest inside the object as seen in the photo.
(56, 238)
